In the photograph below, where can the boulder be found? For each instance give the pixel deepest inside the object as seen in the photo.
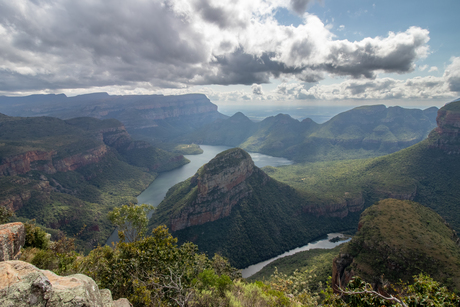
(22, 284)
(12, 238)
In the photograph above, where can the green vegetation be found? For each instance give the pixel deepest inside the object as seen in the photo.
(75, 200)
(131, 221)
(423, 292)
(422, 172)
(363, 132)
(268, 221)
(398, 239)
(155, 271)
(5, 215)
(314, 265)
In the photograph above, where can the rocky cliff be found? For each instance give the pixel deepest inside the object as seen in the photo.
(447, 135)
(220, 185)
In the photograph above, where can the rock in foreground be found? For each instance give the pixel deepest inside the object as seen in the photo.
(22, 284)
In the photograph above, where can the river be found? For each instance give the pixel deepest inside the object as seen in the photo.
(324, 243)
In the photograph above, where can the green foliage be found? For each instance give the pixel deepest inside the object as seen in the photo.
(313, 266)
(423, 292)
(131, 221)
(398, 239)
(5, 215)
(268, 222)
(35, 236)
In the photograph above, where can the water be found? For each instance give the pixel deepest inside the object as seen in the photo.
(156, 192)
(325, 244)
(318, 113)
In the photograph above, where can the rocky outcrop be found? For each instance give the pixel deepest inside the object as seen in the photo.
(12, 238)
(339, 209)
(76, 161)
(447, 135)
(220, 185)
(22, 284)
(15, 201)
(48, 163)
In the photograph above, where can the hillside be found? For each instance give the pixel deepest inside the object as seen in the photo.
(427, 172)
(232, 207)
(397, 240)
(67, 174)
(144, 116)
(366, 131)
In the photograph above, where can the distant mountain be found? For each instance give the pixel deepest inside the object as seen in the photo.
(427, 172)
(396, 240)
(232, 207)
(150, 117)
(228, 132)
(366, 131)
(69, 173)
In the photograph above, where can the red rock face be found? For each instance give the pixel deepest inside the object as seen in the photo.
(24, 163)
(21, 164)
(12, 238)
(339, 209)
(217, 192)
(447, 135)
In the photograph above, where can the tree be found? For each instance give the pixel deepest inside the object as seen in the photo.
(131, 221)
(5, 215)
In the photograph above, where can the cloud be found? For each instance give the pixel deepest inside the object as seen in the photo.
(257, 89)
(423, 67)
(64, 44)
(433, 68)
(452, 75)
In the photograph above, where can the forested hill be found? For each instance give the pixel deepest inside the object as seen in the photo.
(427, 172)
(362, 132)
(67, 174)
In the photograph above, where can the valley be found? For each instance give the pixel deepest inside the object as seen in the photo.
(67, 174)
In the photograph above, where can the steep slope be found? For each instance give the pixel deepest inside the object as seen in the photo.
(232, 207)
(396, 240)
(144, 116)
(68, 174)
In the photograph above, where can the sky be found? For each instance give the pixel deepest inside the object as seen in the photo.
(258, 52)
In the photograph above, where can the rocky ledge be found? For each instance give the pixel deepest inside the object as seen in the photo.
(22, 284)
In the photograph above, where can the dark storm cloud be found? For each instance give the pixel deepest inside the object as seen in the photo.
(240, 67)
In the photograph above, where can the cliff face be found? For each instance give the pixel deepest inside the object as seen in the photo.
(47, 163)
(447, 135)
(220, 187)
(340, 209)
